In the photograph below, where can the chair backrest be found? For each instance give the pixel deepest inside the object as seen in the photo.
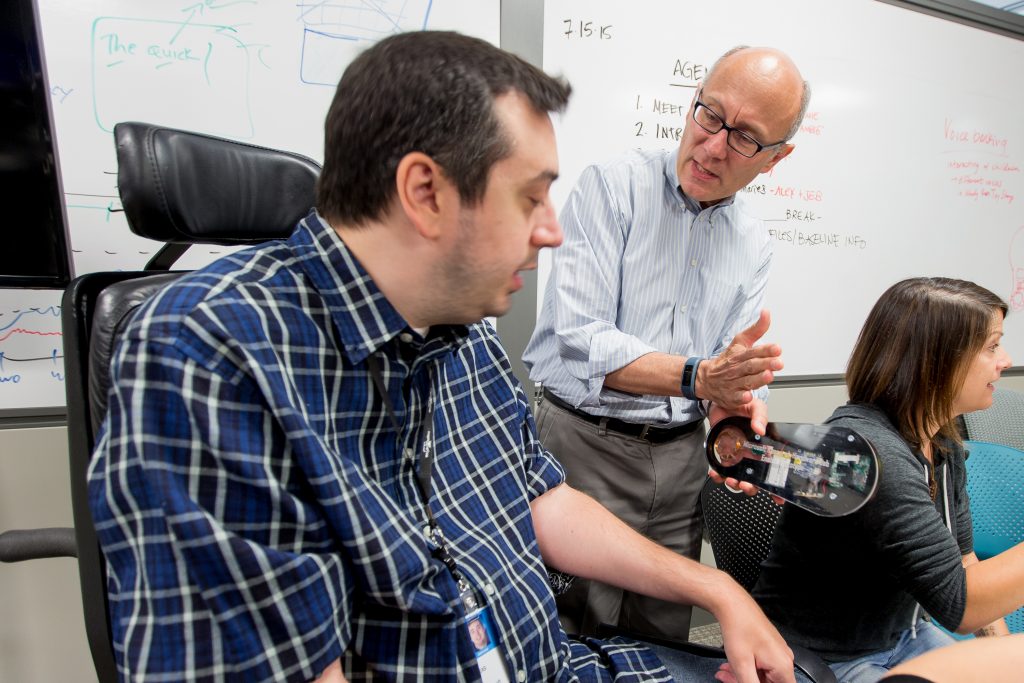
(740, 529)
(78, 312)
(182, 188)
(995, 484)
(1002, 422)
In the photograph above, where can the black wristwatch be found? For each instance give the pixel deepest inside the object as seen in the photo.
(688, 383)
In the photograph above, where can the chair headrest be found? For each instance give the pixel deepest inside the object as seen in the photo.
(183, 187)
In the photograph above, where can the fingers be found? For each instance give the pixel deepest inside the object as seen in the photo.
(749, 336)
(752, 644)
(730, 378)
(733, 483)
(742, 354)
(744, 486)
(734, 399)
(746, 670)
(724, 674)
(755, 409)
(752, 368)
(758, 416)
(742, 367)
(781, 675)
(743, 670)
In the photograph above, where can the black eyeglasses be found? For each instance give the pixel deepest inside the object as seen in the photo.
(708, 119)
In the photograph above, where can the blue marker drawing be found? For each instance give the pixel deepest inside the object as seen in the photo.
(168, 60)
(335, 32)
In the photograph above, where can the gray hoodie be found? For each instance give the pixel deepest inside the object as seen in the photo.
(846, 587)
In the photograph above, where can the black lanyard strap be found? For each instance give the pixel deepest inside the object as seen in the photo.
(426, 459)
(423, 475)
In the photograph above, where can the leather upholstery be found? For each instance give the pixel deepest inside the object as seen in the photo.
(111, 313)
(177, 186)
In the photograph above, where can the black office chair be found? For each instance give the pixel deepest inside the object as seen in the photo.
(803, 659)
(180, 188)
(740, 529)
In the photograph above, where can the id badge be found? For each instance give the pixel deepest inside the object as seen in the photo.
(489, 657)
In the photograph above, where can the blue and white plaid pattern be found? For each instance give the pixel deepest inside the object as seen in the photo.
(260, 516)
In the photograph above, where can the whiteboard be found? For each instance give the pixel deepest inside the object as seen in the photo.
(908, 162)
(262, 72)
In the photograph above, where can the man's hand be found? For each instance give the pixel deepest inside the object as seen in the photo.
(728, 379)
(579, 536)
(757, 411)
(755, 649)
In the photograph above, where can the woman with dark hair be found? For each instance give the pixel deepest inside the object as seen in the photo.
(856, 589)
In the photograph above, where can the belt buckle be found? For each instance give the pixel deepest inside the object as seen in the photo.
(643, 432)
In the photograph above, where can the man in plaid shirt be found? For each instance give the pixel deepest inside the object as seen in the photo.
(317, 464)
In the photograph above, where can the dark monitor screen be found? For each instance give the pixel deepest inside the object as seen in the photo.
(34, 249)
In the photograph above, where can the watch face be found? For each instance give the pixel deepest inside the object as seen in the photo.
(829, 471)
(688, 383)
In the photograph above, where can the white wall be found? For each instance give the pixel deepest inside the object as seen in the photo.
(42, 637)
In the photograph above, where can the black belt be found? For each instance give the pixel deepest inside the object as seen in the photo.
(643, 431)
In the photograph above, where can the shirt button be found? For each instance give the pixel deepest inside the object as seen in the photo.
(521, 676)
(693, 262)
(408, 453)
(426, 532)
(682, 309)
(405, 337)
(489, 589)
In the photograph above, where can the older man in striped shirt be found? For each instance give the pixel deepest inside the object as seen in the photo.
(652, 315)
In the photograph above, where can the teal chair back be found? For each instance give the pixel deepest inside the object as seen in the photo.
(995, 484)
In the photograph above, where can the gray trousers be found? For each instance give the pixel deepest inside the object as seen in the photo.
(655, 489)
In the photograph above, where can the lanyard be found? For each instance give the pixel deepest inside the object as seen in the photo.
(426, 467)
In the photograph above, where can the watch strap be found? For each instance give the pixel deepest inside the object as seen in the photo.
(688, 382)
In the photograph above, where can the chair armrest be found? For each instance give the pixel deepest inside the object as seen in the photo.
(812, 665)
(32, 544)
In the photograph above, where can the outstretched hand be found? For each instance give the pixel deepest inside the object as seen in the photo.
(728, 380)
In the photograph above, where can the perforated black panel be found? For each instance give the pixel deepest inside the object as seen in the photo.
(740, 529)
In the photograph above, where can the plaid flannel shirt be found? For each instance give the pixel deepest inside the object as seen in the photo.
(260, 515)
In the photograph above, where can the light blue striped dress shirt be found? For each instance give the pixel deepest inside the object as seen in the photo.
(643, 268)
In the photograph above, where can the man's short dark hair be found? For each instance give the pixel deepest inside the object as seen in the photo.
(431, 92)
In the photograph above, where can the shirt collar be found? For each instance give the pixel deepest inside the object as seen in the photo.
(363, 316)
(672, 178)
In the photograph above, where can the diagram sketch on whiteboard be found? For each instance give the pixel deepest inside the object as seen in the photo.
(334, 32)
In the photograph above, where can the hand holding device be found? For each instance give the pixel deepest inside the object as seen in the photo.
(827, 470)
